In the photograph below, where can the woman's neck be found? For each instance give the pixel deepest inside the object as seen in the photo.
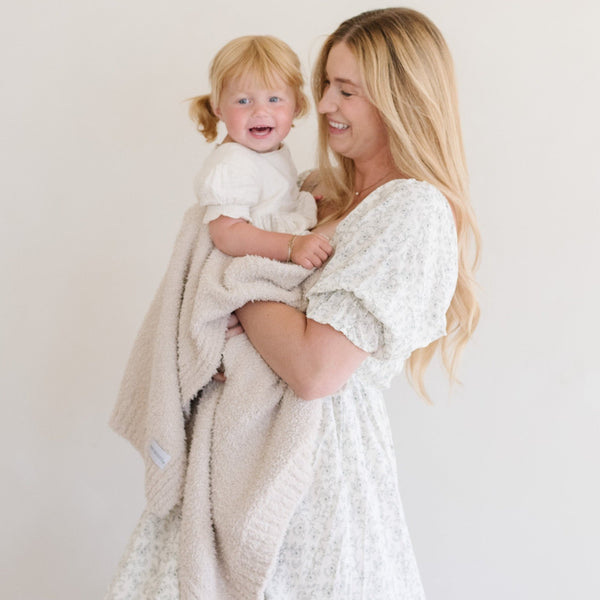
(370, 174)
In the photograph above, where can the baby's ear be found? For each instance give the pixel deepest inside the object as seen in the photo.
(215, 110)
(302, 107)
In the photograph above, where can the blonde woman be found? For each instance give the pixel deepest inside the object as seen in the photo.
(399, 285)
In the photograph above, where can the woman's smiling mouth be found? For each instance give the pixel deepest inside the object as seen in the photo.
(338, 126)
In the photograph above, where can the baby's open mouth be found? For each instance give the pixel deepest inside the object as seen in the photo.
(261, 130)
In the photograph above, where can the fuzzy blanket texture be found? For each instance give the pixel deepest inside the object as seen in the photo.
(246, 460)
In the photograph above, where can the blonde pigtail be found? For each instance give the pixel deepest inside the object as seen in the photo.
(202, 114)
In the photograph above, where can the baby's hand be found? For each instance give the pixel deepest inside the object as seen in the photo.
(310, 250)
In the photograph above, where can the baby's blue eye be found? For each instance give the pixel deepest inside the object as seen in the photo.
(274, 99)
(243, 101)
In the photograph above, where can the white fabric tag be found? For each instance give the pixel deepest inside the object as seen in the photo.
(158, 455)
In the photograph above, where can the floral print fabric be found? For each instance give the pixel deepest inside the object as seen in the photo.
(387, 288)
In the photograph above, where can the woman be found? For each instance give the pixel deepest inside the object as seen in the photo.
(400, 278)
(396, 207)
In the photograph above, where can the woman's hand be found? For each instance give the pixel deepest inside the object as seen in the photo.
(234, 327)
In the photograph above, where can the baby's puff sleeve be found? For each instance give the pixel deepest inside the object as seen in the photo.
(389, 284)
(228, 184)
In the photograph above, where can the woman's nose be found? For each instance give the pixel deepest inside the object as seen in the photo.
(326, 103)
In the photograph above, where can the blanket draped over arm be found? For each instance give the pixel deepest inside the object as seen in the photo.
(249, 461)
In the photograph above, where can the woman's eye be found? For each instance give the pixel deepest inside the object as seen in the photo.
(345, 94)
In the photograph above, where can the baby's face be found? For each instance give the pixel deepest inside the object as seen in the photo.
(257, 116)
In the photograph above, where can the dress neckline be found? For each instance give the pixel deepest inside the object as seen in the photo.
(360, 207)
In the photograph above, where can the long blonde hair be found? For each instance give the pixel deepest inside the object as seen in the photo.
(408, 74)
(262, 56)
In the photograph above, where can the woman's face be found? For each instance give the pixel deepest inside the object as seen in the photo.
(356, 129)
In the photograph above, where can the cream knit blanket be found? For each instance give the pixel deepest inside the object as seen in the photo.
(250, 455)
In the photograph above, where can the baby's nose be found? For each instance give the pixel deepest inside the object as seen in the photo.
(261, 108)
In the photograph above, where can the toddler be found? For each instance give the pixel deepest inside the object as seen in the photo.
(248, 184)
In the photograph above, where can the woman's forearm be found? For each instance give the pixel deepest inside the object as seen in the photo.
(315, 360)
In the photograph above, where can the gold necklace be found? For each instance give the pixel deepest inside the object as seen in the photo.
(373, 184)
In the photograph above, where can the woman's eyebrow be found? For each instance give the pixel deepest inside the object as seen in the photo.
(347, 81)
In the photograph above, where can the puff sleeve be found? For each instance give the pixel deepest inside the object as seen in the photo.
(228, 184)
(389, 284)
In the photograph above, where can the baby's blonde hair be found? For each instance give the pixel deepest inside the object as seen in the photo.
(262, 56)
(408, 74)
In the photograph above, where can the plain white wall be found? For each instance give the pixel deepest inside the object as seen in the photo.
(500, 478)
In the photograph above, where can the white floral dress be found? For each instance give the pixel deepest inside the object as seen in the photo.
(387, 288)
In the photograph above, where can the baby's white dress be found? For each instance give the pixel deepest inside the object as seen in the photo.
(259, 187)
(387, 288)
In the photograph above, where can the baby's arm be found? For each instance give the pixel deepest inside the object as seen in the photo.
(237, 237)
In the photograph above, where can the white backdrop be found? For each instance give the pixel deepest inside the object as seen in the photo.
(500, 478)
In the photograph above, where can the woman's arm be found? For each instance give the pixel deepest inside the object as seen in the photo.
(237, 237)
(315, 360)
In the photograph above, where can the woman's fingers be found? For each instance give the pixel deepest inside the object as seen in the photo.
(233, 331)
(234, 327)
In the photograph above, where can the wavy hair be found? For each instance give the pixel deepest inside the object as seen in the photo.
(408, 76)
(262, 56)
